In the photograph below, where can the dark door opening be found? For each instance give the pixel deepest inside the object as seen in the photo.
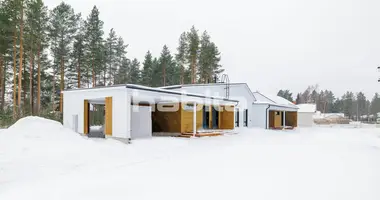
(237, 120)
(245, 118)
(206, 117)
(215, 118)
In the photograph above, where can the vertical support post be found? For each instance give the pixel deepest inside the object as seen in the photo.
(195, 119)
(284, 121)
(108, 117)
(86, 117)
(61, 102)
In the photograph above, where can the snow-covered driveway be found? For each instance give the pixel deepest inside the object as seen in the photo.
(318, 163)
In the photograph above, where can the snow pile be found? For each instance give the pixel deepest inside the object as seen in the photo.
(35, 147)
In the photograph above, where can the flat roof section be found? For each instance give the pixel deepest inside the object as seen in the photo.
(150, 89)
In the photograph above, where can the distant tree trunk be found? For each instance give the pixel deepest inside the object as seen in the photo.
(53, 93)
(24, 89)
(14, 75)
(78, 72)
(62, 84)
(2, 81)
(93, 74)
(39, 78)
(182, 74)
(104, 78)
(31, 80)
(164, 74)
(193, 69)
(21, 56)
(3, 84)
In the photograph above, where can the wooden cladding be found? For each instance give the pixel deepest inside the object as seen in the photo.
(86, 117)
(166, 121)
(291, 119)
(276, 119)
(227, 117)
(182, 120)
(108, 117)
(187, 119)
(61, 103)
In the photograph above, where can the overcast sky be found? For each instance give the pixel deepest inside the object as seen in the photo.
(271, 44)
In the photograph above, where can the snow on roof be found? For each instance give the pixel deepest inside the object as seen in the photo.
(273, 100)
(307, 108)
(207, 84)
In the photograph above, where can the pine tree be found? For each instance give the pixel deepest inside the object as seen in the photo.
(94, 43)
(111, 58)
(299, 98)
(134, 73)
(157, 71)
(348, 104)
(122, 76)
(147, 71)
(41, 26)
(215, 59)
(205, 59)
(5, 46)
(193, 51)
(181, 55)
(21, 54)
(77, 69)
(286, 94)
(361, 104)
(168, 72)
(120, 52)
(13, 9)
(35, 34)
(375, 104)
(62, 28)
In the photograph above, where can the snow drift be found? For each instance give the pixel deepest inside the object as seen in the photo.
(39, 159)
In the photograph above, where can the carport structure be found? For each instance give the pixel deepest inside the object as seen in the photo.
(274, 112)
(131, 109)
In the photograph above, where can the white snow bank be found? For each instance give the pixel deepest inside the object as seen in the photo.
(310, 163)
(35, 147)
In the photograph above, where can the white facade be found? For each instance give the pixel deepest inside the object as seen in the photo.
(141, 123)
(257, 104)
(237, 91)
(306, 114)
(305, 119)
(73, 105)
(122, 98)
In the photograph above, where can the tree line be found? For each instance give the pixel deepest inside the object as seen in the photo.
(45, 51)
(355, 106)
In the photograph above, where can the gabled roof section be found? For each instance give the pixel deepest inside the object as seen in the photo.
(273, 100)
(307, 108)
(208, 84)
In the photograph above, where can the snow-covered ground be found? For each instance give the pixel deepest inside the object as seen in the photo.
(41, 160)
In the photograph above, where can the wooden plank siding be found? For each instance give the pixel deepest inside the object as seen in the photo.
(277, 119)
(271, 119)
(291, 119)
(108, 116)
(187, 119)
(167, 121)
(227, 117)
(86, 111)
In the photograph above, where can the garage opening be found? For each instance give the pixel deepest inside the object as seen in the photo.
(275, 118)
(98, 117)
(282, 119)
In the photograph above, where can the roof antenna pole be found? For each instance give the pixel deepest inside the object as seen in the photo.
(226, 80)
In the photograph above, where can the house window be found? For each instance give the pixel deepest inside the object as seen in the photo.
(237, 120)
(245, 118)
